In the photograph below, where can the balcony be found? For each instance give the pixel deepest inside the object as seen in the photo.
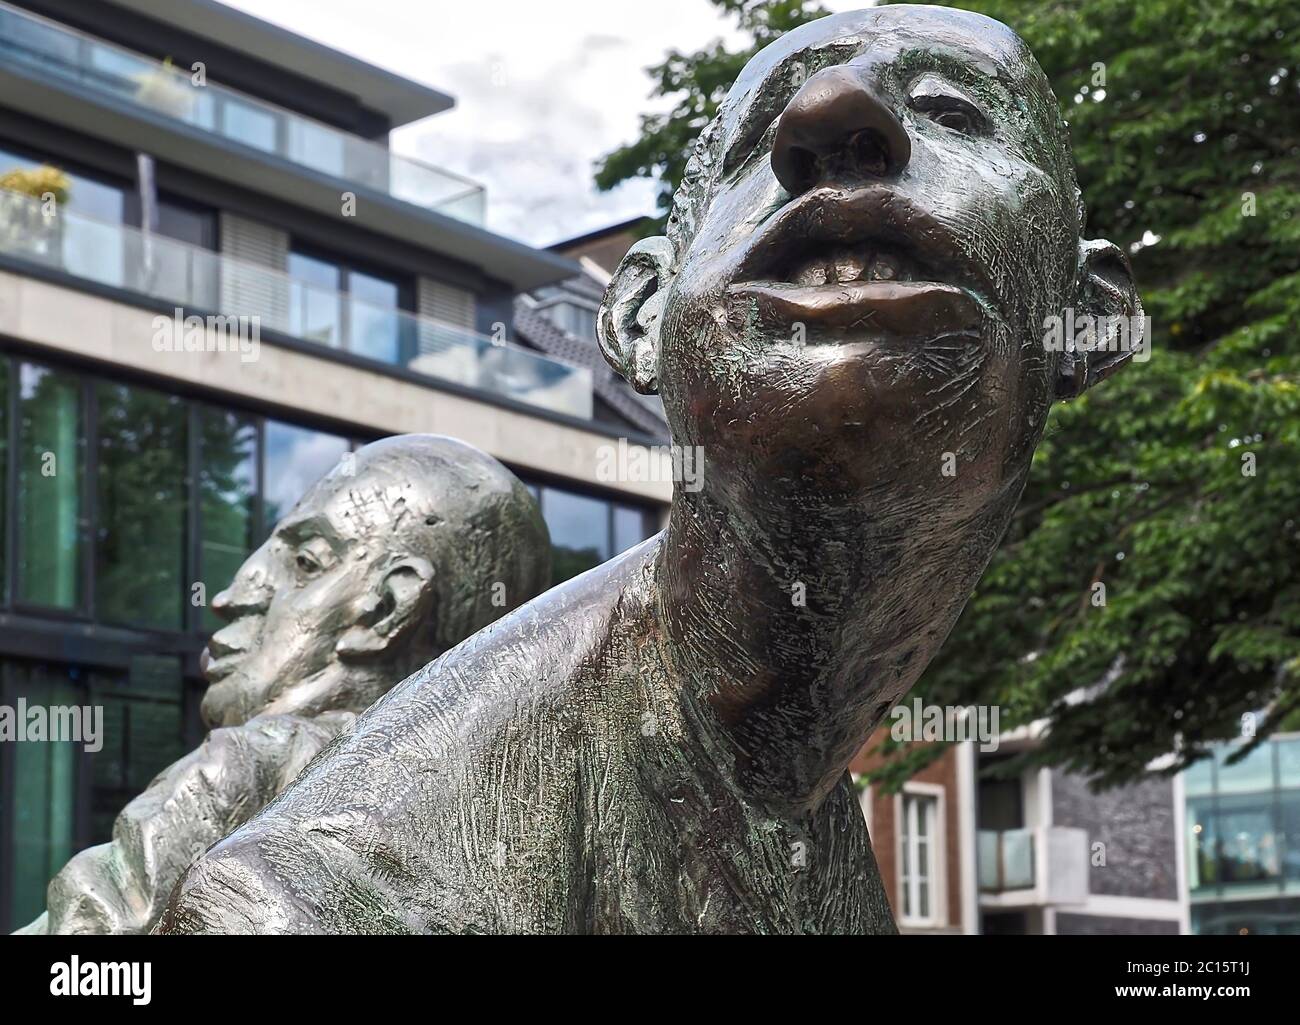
(1033, 867)
(203, 281)
(62, 54)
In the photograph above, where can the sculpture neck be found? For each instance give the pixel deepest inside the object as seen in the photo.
(800, 631)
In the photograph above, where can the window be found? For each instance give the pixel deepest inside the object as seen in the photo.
(345, 308)
(142, 506)
(918, 855)
(295, 458)
(37, 794)
(586, 530)
(227, 499)
(143, 734)
(58, 797)
(51, 440)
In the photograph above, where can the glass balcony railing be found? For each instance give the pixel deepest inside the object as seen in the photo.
(1006, 860)
(200, 280)
(66, 55)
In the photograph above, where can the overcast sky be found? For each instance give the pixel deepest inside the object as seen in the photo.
(543, 88)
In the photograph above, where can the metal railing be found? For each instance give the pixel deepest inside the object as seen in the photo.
(65, 54)
(200, 280)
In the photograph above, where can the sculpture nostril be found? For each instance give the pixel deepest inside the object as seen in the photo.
(867, 151)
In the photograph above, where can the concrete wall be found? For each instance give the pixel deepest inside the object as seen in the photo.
(84, 325)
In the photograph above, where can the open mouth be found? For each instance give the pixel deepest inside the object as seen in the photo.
(863, 259)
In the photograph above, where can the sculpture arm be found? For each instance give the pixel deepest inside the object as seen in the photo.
(121, 887)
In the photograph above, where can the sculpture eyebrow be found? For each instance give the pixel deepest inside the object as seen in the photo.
(300, 530)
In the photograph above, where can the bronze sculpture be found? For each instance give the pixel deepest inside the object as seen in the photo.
(850, 301)
(406, 547)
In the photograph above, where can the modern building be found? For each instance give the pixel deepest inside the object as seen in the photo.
(1240, 827)
(971, 844)
(168, 167)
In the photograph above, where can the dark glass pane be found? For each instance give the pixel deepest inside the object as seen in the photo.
(187, 224)
(579, 527)
(40, 801)
(1289, 805)
(315, 306)
(143, 734)
(296, 458)
(227, 497)
(1250, 851)
(140, 485)
(373, 326)
(51, 447)
(1202, 844)
(629, 527)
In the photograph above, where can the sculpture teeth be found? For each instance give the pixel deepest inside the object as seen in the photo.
(844, 265)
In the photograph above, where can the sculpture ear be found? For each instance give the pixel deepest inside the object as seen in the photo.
(389, 617)
(1107, 327)
(628, 322)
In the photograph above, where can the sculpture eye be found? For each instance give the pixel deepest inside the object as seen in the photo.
(307, 563)
(957, 120)
(944, 104)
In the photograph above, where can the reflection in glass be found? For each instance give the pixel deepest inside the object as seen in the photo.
(143, 734)
(373, 321)
(227, 499)
(315, 306)
(1250, 852)
(247, 124)
(40, 800)
(295, 459)
(1254, 772)
(579, 528)
(629, 528)
(51, 445)
(1202, 844)
(142, 507)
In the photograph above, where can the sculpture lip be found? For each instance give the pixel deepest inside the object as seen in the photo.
(865, 224)
(919, 308)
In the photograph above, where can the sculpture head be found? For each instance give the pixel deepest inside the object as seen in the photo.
(858, 267)
(400, 552)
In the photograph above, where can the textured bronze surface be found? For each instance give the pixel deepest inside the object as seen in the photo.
(850, 300)
(406, 547)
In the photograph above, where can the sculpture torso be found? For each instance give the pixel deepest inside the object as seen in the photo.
(544, 776)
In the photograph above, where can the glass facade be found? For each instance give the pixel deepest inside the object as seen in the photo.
(120, 498)
(336, 305)
(142, 505)
(1243, 839)
(51, 450)
(586, 530)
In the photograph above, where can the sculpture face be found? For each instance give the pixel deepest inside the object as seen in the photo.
(350, 578)
(878, 224)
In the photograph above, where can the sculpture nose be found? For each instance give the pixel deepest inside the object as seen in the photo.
(248, 594)
(837, 123)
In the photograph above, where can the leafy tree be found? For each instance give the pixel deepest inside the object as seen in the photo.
(1146, 598)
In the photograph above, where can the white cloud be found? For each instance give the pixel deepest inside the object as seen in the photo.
(542, 89)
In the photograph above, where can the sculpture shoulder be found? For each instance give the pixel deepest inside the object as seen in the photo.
(429, 790)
